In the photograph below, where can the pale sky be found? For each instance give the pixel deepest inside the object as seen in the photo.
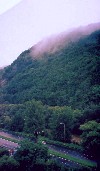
(7, 4)
(25, 22)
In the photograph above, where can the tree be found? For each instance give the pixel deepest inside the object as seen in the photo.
(30, 154)
(17, 123)
(4, 151)
(91, 138)
(34, 116)
(61, 115)
(8, 164)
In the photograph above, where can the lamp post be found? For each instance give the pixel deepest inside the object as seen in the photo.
(64, 129)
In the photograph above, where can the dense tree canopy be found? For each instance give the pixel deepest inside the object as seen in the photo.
(69, 77)
(91, 138)
(55, 94)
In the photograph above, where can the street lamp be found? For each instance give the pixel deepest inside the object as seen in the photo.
(64, 129)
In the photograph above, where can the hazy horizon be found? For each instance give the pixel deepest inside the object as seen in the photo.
(30, 21)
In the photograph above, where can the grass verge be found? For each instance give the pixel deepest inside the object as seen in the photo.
(84, 163)
(10, 139)
(68, 157)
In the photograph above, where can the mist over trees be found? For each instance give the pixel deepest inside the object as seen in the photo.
(63, 87)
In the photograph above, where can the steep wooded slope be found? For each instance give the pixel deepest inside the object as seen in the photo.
(70, 76)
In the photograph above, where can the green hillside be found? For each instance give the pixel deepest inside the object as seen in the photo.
(62, 88)
(68, 77)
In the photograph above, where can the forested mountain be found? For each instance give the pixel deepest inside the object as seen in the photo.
(70, 76)
(56, 81)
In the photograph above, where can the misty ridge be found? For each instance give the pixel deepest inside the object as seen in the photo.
(57, 42)
(72, 69)
(52, 86)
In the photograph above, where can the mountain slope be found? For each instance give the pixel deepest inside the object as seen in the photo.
(69, 76)
(57, 42)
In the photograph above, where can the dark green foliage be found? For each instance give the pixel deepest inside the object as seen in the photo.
(8, 164)
(11, 117)
(34, 116)
(68, 77)
(30, 154)
(54, 165)
(61, 117)
(71, 146)
(35, 157)
(38, 94)
(91, 138)
(27, 117)
(3, 151)
(17, 123)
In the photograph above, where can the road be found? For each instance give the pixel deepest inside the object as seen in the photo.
(8, 135)
(12, 145)
(72, 153)
(8, 144)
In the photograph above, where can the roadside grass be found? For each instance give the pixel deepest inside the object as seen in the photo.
(21, 135)
(68, 157)
(10, 139)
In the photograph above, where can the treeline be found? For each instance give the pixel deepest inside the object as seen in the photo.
(36, 119)
(37, 95)
(33, 115)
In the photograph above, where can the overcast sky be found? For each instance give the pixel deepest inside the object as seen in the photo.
(25, 22)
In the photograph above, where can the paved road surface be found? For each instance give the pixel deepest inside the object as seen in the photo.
(71, 153)
(12, 145)
(8, 135)
(8, 144)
